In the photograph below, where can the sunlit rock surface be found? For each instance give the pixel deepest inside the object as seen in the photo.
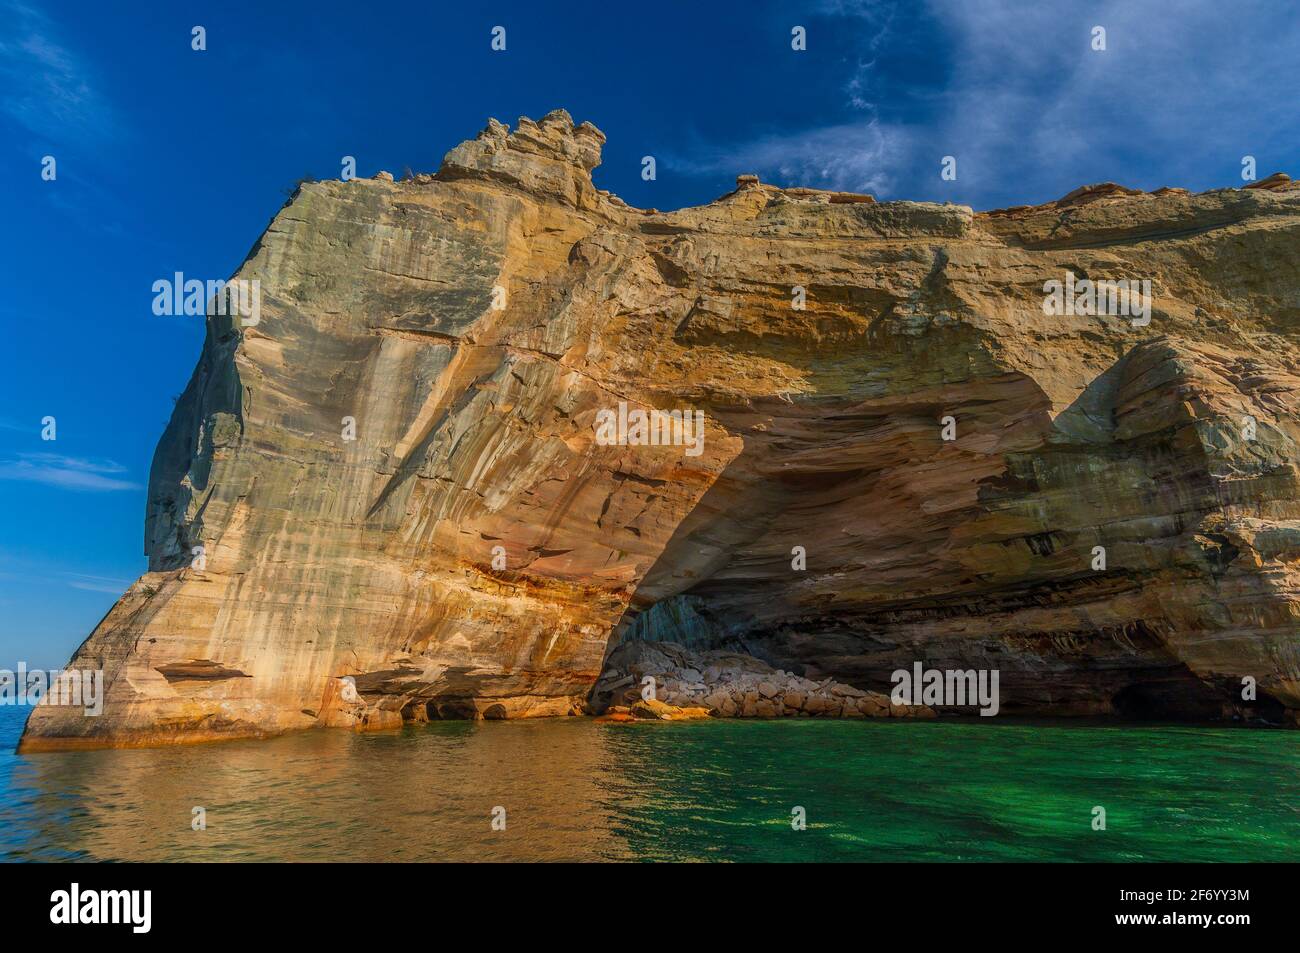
(1172, 445)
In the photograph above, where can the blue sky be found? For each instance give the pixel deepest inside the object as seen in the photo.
(175, 160)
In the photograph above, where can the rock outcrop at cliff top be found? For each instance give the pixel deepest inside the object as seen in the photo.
(475, 551)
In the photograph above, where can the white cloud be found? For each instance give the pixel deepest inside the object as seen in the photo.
(1031, 111)
(47, 89)
(1032, 106)
(71, 473)
(852, 157)
(113, 587)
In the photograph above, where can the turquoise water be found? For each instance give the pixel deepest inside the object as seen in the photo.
(573, 789)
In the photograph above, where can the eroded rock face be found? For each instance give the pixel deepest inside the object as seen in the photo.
(475, 551)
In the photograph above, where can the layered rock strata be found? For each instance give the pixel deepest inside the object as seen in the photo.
(405, 511)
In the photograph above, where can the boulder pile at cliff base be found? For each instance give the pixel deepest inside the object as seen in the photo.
(725, 684)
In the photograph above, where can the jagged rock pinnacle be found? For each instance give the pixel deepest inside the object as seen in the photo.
(550, 156)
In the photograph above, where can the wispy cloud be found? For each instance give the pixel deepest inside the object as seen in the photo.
(1016, 93)
(875, 28)
(98, 583)
(71, 473)
(849, 157)
(49, 90)
(1032, 104)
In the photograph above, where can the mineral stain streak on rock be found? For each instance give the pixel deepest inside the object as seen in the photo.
(353, 582)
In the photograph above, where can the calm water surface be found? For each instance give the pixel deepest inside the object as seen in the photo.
(711, 790)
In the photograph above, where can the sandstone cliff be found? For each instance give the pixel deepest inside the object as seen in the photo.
(1172, 445)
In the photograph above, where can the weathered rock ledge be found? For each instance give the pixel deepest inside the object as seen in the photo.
(405, 512)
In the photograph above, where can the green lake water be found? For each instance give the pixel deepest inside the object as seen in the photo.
(574, 789)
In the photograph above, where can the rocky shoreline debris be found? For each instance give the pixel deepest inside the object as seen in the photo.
(724, 684)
